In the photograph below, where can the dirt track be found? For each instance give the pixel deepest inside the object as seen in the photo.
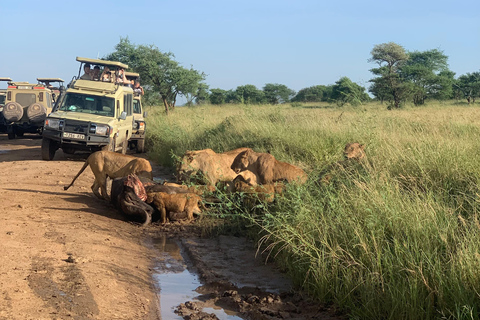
(67, 254)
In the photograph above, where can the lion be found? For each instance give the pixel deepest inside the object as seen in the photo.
(354, 156)
(264, 192)
(113, 165)
(267, 169)
(197, 189)
(355, 151)
(214, 167)
(175, 204)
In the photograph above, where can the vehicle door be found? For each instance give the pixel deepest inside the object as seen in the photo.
(125, 125)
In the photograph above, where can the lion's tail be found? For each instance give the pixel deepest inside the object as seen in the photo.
(79, 173)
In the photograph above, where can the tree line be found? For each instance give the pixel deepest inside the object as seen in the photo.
(399, 77)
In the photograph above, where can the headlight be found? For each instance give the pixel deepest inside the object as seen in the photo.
(52, 123)
(103, 130)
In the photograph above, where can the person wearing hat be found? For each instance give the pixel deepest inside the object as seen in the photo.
(88, 73)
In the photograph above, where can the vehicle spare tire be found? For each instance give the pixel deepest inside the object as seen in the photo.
(12, 111)
(36, 112)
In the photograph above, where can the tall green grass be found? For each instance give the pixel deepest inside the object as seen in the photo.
(395, 238)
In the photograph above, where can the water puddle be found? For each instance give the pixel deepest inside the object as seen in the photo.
(177, 284)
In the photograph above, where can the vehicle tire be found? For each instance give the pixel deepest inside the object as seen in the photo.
(141, 146)
(110, 146)
(36, 112)
(125, 146)
(49, 148)
(13, 111)
(11, 135)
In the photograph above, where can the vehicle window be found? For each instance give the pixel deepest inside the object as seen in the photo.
(127, 104)
(88, 104)
(2, 99)
(49, 100)
(136, 106)
(25, 99)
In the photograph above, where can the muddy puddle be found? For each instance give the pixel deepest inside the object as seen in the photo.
(176, 284)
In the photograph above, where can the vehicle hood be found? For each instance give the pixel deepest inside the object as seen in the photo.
(81, 116)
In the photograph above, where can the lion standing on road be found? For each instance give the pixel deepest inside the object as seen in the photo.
(112, 165)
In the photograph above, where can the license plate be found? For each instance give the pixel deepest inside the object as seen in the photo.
(74, 135)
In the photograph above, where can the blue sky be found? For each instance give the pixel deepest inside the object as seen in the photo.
(296, 43)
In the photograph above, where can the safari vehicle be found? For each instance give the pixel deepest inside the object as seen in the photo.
(137, 141)
(3, 96)
(91, 115)
(26, 107)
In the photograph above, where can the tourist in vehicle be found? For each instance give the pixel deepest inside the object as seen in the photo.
(96, 73)
(88, 73)
(137, 89)
(121, 78)
(106, 75)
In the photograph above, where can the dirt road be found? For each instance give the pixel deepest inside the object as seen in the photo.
(67, 254)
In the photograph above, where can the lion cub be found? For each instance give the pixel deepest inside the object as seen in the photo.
(267, 168)
(175, 204)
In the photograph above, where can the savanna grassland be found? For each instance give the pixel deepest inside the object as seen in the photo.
(397, 237)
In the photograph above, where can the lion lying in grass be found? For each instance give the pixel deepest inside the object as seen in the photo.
(355, 156)
(267, 169)
(112, 165)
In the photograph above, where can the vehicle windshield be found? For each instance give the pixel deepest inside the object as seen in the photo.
(88, 104)
(136, 106)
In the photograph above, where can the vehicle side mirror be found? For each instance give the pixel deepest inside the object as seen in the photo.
(123, 115)
(145, 114)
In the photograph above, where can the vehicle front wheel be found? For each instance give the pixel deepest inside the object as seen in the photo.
(110, 146)
(49, 147)
(141, 146)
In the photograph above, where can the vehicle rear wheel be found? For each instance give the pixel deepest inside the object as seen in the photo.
(141, 146)
(49, 147)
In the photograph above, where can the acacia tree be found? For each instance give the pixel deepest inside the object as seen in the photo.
(345, 91)
(159, 72)
(313, 94)
(249, 94)
(277, 93)
(390, 57)
(218, 96)
(428, 75)
(469, 86)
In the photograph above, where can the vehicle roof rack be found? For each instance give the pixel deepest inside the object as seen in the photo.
(6, 79)
(102, 62)
(50, 80)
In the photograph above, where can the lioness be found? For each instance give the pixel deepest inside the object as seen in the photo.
(175, 204)
(267, 168)
(354, 150)
(213, 166)
(113, 165)
(355, 156)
